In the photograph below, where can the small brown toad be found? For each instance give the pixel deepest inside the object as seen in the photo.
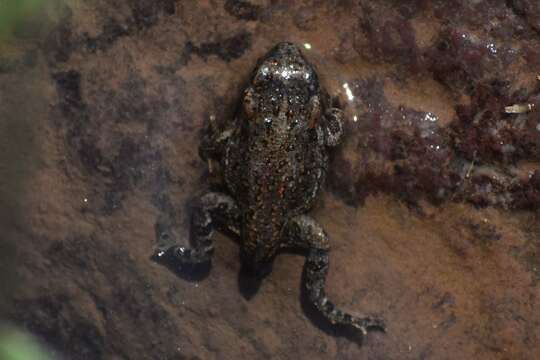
(273, 160)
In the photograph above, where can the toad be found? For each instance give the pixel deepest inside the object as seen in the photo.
(273, 159)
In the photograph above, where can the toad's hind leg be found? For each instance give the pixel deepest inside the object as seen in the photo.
(212, 211)
(303, 232)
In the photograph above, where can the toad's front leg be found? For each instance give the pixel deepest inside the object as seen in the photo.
(303, 232)
(333, 126)
(212, 211)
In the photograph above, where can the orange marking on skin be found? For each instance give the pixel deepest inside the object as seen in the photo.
(312, 122)
(281, 190)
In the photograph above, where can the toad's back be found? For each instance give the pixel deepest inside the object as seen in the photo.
(275, 158)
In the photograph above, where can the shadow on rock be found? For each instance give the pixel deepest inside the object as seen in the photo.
(250, 278)
(248, 284)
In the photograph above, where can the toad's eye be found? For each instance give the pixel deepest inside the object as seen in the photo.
(262, 75)
(250, 104)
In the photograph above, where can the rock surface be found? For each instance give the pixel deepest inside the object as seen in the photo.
(432, 202)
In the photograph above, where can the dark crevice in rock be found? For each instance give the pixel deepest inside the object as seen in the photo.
(226, 49)
(63, 41)
(242, 10)
(131, 160)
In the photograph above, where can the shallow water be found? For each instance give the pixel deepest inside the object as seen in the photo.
(431, 202)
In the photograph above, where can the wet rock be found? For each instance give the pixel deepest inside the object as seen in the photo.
(110, 33)
(242, 9)
(146, 13)
(530, 10)
(387, 34)
(431, 201)
(60, 325)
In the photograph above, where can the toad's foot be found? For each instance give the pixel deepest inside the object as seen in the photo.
(212, 211)
(304, 233)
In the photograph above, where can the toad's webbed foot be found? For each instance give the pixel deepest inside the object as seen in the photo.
(212, 211)
(304, 233)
